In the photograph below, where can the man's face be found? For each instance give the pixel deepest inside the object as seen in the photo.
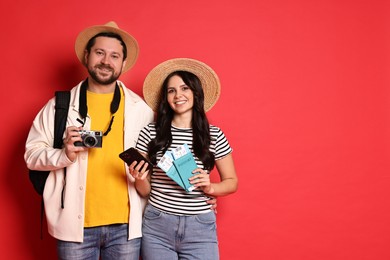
(105, 60)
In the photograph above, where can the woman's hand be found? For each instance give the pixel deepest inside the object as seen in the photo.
(201, 180)
(139, 171)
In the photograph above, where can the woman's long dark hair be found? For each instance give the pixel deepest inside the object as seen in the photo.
(200, 125)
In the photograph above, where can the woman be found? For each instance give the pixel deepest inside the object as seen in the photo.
(180, 224)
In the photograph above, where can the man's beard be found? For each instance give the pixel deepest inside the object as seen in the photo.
(95, 76)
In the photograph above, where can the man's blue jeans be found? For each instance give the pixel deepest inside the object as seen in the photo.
(166, 236)
(106, 242)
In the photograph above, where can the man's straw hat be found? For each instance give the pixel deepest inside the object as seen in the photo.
(131, 44)
(154, 80)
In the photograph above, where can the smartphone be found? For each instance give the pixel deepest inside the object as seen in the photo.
(132, 154)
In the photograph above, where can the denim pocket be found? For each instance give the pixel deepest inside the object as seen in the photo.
(207, 218)
(152, 213)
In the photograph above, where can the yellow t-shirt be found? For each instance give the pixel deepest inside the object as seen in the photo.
(107, 200)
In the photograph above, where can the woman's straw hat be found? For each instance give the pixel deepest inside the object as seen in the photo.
(154, 80)
(131, 44)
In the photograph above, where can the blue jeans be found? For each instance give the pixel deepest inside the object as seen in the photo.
(166, 236)
(106, 242)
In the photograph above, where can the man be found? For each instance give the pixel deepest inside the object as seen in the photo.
(93, 210)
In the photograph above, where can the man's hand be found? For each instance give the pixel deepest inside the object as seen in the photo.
(71, 136)
(213, 204)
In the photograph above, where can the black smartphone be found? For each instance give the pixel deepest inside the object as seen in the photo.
(132, 154)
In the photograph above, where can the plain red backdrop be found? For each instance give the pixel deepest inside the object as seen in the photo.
(304, 103)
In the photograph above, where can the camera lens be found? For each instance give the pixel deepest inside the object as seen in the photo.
(90, 141)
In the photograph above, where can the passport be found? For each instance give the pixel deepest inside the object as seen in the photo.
(184, 166)
(178, 165)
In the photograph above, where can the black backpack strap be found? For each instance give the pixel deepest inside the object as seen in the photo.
(42, 215)
(61, 114)
(62, 107)
(60, 117)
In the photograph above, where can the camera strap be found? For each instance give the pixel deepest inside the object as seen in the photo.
(83, 109)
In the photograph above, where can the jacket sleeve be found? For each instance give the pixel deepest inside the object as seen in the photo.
(39, 153)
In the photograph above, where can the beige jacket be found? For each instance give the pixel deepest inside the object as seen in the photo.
(68, 223)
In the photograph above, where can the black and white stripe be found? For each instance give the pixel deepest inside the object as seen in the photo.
(165, 194)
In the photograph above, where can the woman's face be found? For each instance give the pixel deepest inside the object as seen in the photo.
(180, 97)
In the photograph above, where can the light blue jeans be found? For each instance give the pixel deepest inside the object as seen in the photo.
(166, 236)
(106, 242)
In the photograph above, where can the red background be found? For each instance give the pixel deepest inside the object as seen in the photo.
(304, 103)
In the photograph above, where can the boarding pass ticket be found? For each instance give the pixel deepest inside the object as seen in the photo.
(180, 151)
(166, 162)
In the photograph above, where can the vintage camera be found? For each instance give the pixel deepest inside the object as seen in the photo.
(91, 139)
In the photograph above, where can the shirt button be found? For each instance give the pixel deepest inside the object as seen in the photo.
(80, 216)
(81, 188)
